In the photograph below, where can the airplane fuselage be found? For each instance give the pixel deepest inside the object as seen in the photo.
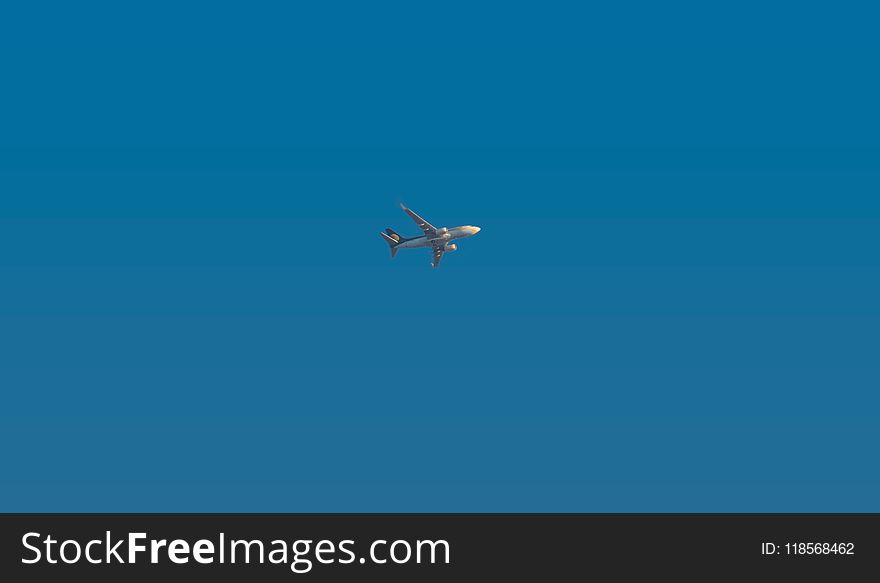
(442, 237)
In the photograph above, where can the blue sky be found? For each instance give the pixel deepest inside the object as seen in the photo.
(671, 306)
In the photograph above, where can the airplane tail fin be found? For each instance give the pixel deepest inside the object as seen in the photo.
(393, 239)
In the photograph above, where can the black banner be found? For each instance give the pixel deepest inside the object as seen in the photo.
(434, 547)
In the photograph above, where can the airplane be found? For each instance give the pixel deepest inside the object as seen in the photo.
(438, 240)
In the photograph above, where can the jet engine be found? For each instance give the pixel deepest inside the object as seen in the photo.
(441, 232)
(450, 247)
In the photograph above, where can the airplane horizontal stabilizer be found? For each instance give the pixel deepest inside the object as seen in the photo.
(393, 241)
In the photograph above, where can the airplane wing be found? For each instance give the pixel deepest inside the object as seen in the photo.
(425, 226)
(438, 255)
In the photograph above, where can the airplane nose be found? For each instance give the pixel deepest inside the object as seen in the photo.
(476, 230)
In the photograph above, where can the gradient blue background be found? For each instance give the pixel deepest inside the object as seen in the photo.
(673, 305)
